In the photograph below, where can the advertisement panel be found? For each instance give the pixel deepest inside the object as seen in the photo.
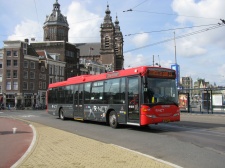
(183, 101)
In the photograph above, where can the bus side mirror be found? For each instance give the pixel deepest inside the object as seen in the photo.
(145, 82)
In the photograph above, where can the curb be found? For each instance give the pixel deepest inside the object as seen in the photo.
(20, 161)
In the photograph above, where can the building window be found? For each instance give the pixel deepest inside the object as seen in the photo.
(61, 71)
(15, 53)
(25, 86)
(56, 70)
(50, 69)
(44, 76)
(0, 89)
(53, 67)
(8, 85)
(106, 42)
(24, 45)
(40, 76)
(15, 63)
(40, 85)
(8, 63)
(116, 50)
(51, 80)
(25, 64)
(70, 53)
(15, 85)
(15, 74)
(42, 69)
(31, 86)
(32, 65)
(25, 74)
(8, 74)
(0, 64)
(32, 75)
(24, 51)
(8, 53)
(44, 85)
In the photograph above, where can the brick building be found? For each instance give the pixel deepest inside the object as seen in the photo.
(25, 74)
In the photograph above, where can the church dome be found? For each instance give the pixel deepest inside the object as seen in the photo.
(56, 18)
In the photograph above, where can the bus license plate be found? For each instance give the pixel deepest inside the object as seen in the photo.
(166, 121)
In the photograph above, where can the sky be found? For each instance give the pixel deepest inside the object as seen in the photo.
(187, 32)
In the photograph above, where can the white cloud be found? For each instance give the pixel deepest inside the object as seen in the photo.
(166, 63)
(84, 25)
(188, 48)
(26, 29)
(203, 10)
(221, 71)
(134, 60)
(140, 40)
(141, 60)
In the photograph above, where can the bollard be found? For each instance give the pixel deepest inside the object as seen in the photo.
(14, 130)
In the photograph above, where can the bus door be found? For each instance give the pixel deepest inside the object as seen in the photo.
(78, 102)
(75, 101)
(81, 102)
(133, 100)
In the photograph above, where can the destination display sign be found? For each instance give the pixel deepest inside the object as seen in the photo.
(161, 73)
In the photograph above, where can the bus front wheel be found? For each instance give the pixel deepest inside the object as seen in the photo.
(61, 114)
(113, 120)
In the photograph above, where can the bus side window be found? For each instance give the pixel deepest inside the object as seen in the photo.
(97, 92)
(87, 87)
(133, 94)
(122, 90)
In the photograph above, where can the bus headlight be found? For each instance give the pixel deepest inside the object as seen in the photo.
(151, 116)
(176, 114)
(145, 108)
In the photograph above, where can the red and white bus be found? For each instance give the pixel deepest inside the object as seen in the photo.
(136, 96)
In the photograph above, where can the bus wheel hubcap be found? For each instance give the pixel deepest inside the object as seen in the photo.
(113, 119)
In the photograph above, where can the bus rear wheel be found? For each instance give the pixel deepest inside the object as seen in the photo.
(113, 120)
(61, 114)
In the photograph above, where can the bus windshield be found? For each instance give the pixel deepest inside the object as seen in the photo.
(160, 91)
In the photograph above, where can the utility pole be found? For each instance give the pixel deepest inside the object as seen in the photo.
(153, 60)
(175, 49)
(159, 61)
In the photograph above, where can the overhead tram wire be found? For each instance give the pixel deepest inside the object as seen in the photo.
(179, 28)
(177, 37)
(162, 13)
(131, 9)
(139, 4)
(37, 14)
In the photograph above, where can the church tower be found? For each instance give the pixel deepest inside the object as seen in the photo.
(118, 46)
(107, 50)
(56, 27)
(111, 50)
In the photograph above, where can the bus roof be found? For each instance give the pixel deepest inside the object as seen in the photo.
(109, 75)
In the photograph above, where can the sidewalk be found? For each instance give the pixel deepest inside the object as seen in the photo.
(13, 145)
(57, 148)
